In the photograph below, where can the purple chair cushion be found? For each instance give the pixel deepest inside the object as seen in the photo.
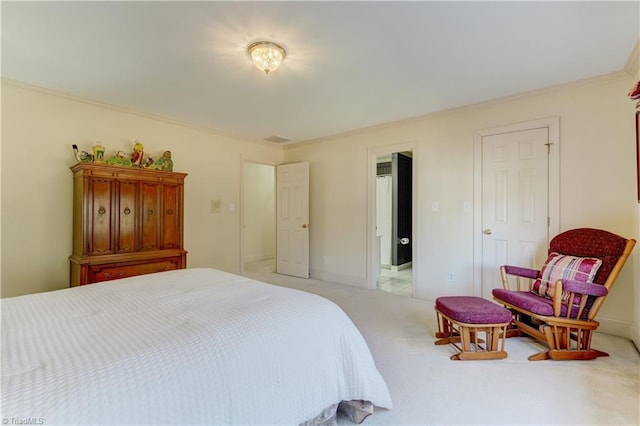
(531, 302)
(519, 271)
(589, 242)
(473, 310)
(526, 300)
(584, 288)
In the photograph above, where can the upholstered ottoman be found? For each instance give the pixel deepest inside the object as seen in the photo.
(462, 318)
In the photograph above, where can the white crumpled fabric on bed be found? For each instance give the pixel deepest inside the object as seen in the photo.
(181, 347)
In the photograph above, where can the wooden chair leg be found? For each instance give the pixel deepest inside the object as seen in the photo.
(466, 339)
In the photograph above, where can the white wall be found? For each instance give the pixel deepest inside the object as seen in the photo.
(598, 184)
(259, 212)
(38, 128)
(597, 160)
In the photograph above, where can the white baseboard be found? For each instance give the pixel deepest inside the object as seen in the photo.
(635, 335)
(332, 277)
(615, 327)
(258, 257)
(397, 268)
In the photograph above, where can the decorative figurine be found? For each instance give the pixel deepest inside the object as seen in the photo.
(120, 159)
(164, 163)
(634, 93)
(82, 156)
(148, 162)
(138, 154)
(98, 153)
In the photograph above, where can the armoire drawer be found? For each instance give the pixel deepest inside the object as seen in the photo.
(107, 272)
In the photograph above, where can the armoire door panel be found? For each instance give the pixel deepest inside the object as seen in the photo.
(100, 223)
(150, 216)
(171, 235)
(127, 235)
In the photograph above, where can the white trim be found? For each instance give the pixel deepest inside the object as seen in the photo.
(553, 126)
(582, 83)
(635, 335)
(332, 277)
(372, 155)
(125, 110)
(615, 327)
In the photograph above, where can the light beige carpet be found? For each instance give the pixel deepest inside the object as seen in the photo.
(428, 388)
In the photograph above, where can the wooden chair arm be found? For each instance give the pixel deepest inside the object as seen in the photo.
(578, 290)
(519, 272)
(580, 287)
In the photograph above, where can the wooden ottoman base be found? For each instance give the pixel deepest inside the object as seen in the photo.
(463, 320)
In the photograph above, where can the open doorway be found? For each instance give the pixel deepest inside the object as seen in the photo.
(258, 246)
(394, 222)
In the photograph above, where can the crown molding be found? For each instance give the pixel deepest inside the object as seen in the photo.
(586, 82)
(633, 63)
(117, 108)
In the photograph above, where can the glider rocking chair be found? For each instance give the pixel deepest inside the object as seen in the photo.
(558, 304)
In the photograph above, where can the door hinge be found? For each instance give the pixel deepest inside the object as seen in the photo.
(548, 145)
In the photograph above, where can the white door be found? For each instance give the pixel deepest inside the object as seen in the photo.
(515, 202)
(292, 223)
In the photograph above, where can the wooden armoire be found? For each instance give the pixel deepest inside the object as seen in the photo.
(126, 221)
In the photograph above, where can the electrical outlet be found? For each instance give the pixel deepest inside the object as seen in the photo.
(435, 206)
(452, 276)
(215, 206)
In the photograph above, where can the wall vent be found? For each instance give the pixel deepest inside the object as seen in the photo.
(277, 139)
(383, 169)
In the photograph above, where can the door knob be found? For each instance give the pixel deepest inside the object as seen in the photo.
(487, 232)
(304, 226)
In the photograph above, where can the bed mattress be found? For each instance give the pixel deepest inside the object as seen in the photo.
(193, 346)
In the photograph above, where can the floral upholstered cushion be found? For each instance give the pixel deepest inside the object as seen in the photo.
(560, 266)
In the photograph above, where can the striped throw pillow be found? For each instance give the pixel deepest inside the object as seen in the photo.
(559, 266)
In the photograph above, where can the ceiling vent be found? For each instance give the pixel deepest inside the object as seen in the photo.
(277, 139)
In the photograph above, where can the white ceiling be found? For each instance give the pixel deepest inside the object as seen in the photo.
(350, 65)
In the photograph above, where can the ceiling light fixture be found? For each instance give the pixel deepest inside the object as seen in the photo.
(266, 55)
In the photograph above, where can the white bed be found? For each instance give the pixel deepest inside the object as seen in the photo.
(194, 346)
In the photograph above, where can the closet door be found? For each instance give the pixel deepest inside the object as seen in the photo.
(127, 206)
(99, 223)
(171, 219)
(150, 215)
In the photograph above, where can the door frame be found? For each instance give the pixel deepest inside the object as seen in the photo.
(242, 208)
(553, 193)
(372, 157)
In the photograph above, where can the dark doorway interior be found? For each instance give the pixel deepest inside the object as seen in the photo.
(401, 171)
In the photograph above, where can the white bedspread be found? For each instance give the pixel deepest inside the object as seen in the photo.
(194, 346)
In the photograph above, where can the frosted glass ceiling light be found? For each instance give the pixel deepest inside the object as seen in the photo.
(266, 55)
